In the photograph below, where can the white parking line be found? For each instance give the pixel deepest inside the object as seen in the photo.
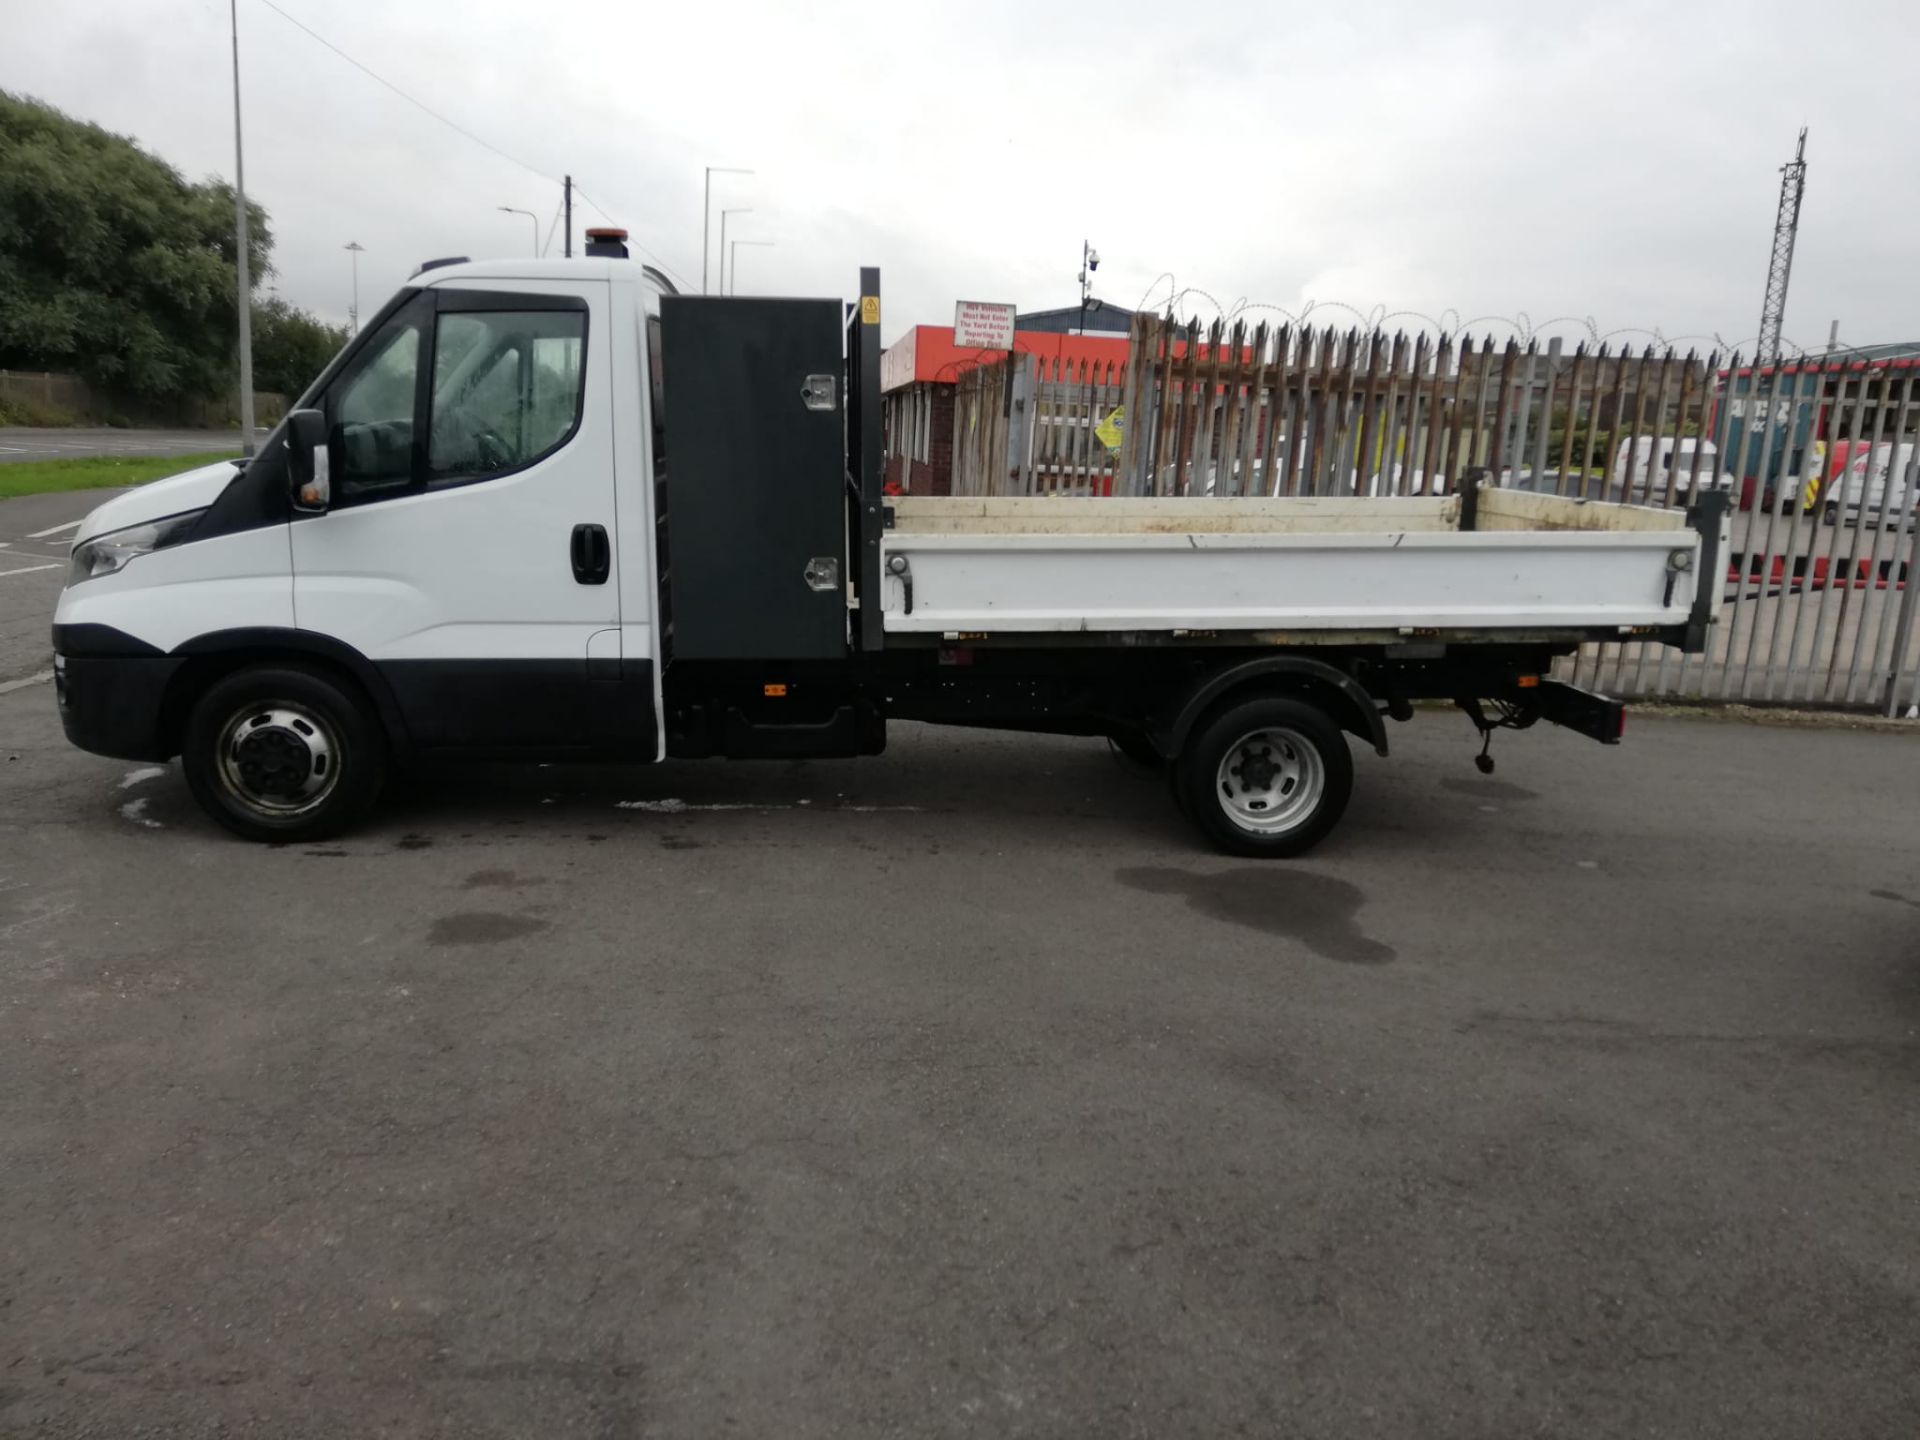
(10, 686)
(31, 569)
(70, 525)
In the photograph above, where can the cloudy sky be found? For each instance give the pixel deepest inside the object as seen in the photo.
(1473, 158)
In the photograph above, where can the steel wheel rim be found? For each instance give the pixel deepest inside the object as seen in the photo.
(1270, 780)
(279, 759)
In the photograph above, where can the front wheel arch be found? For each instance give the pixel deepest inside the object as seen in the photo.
(211, 658)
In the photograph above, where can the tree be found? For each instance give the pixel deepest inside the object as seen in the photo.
(291, 347)
(111, 265)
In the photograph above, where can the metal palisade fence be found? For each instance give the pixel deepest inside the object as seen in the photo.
(1038, 425)
(1820, 455)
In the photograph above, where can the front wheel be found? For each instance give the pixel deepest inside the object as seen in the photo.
(283, 753)
(1268, 777)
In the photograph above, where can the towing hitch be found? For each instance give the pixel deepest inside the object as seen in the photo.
(1595, 716)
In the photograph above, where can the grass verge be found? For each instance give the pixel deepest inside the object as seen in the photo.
(41, 477)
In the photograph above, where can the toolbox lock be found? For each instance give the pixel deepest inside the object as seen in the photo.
(818, 392)
(822, 573)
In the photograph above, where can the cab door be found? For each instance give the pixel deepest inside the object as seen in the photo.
(468, 550)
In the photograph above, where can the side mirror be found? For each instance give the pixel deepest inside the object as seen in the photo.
(308, 465)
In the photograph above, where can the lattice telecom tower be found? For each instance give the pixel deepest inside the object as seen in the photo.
(1773, 310)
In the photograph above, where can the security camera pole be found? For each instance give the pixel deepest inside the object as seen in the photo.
(1089, 262)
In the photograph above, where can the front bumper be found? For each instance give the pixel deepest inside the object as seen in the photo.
(113, 704)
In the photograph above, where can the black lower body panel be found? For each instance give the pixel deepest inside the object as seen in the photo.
(771, 710)
(514, 708)
(113, 705)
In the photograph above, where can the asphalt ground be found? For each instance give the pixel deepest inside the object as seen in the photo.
(23, 443)
(960, 1092)
(36, 532)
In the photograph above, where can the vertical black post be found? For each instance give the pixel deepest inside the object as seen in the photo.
(1470, 483)
(866, 465)
(566, 186)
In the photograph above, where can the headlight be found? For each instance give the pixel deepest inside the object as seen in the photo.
(104, 554)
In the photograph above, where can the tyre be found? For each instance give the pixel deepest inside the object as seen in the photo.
(1832, 514)
(1267, 777)
(279, 752)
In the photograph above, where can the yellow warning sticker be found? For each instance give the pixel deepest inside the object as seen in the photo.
(1113, 429)
(869, 309)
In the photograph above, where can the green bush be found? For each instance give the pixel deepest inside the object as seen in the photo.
(33, 414)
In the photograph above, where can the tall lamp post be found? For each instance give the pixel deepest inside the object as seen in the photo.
(733, 263)
(737, 210)
(241, 241)
(706, 215)
(353, 248)
(515, 210)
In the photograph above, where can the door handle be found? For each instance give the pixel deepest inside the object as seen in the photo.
(592, 554)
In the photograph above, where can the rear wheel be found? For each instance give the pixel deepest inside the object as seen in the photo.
(1267, 777)
(281, 753)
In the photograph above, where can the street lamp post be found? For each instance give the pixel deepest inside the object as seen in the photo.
(353, 249)
(706, 215)
(515, 210)
(733, 262)
(737, 210)
(241, 240)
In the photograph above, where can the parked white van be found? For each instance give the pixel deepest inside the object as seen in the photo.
(1864, 483)
(1651, 474)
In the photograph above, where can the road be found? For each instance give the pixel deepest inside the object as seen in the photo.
(958, 1093)
(35, 534)
(21, 443)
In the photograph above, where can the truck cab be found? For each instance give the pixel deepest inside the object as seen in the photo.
(458, 519)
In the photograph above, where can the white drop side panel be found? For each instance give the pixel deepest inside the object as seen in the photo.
(1409, 580)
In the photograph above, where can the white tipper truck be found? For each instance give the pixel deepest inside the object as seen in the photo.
(553, 510)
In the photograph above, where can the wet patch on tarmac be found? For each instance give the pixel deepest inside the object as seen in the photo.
(1482, 789)
(1316, 910)
(482, 928)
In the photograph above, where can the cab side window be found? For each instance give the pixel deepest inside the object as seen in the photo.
(370, 409)
(507, 389)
